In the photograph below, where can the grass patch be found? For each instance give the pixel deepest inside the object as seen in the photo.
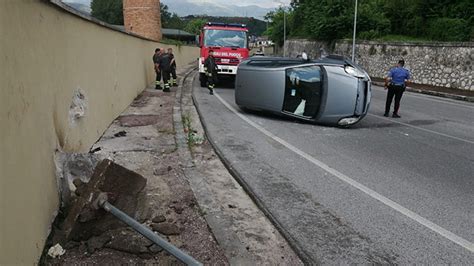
(172, 42)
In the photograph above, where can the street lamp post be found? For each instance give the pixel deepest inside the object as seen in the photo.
(354, 33)
(282, 6)
(284, 32)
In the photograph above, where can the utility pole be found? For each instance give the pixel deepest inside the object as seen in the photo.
(354, 33)
(282, 6)
(284, 32)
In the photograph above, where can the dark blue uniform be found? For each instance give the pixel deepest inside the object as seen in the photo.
(397, 77)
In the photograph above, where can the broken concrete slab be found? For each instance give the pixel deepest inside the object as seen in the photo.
(159, 219)
(71, 167)
(98, 242)
(168, 229)
(123, 188)
(128, 241)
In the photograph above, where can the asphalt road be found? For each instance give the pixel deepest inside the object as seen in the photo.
(384, 191)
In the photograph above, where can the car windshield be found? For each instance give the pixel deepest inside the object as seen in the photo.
(303, 91)
(225, 38)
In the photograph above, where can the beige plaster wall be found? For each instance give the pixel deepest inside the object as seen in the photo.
(46, 54)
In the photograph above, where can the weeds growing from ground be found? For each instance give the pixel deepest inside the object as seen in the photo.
(192, 138)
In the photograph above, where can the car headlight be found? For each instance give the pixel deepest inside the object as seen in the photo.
(348, 121)
(354, 72)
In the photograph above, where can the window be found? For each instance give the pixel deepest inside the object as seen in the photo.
(225, 38)
(303, 91)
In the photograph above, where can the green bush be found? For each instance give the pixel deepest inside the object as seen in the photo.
(449, 29)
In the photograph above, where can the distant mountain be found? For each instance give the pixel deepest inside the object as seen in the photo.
(192, 7)
(189, 7)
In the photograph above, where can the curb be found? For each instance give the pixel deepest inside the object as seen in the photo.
(305, 258)
(181, 140)
(434, 93)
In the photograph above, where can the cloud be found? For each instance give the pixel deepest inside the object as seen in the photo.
(261, 3)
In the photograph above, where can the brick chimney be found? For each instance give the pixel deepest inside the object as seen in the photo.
(143, 17)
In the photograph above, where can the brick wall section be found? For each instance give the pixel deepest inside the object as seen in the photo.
(142, 17)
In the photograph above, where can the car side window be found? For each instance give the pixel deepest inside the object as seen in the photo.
(303, 91)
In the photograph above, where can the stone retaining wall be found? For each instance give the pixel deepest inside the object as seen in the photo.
(437, 64)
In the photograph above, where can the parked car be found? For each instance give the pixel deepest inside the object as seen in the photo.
(332, 90)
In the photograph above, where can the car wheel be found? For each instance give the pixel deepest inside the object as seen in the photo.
(203, 79)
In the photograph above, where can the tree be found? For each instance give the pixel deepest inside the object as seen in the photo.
(175, 22)
(276, 26)
(371, 20)
(170, 21)
(328, 20)
(194, 26)
(110, 11)
(165, 15)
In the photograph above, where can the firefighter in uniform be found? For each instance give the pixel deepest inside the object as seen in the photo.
(164, 64)
(156, 59)
(174, 79)
(210, 67)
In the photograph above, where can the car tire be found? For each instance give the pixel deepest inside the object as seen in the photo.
(203, 79)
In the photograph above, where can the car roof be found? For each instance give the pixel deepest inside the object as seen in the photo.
(270, 61)
(333, 59)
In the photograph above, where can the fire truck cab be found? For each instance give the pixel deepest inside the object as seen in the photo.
(229, 43)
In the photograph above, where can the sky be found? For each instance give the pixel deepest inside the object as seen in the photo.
(261, 3)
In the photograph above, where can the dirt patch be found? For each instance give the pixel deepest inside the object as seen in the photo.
(139, 101)
(152, 94)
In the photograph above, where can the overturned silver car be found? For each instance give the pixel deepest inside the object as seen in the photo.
(332, 90)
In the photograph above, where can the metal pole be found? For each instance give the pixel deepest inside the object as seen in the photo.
(354, 34)
(183, 257)
(284, 32)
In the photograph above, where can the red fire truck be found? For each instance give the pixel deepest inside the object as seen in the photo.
(229, 43)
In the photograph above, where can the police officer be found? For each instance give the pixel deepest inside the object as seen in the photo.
(156, 58)
(164, 64)
(395, 82)
(210, 67)
(174, 81)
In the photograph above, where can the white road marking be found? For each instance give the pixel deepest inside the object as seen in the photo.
(433, 98)
(423, 129)
(388, 202)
